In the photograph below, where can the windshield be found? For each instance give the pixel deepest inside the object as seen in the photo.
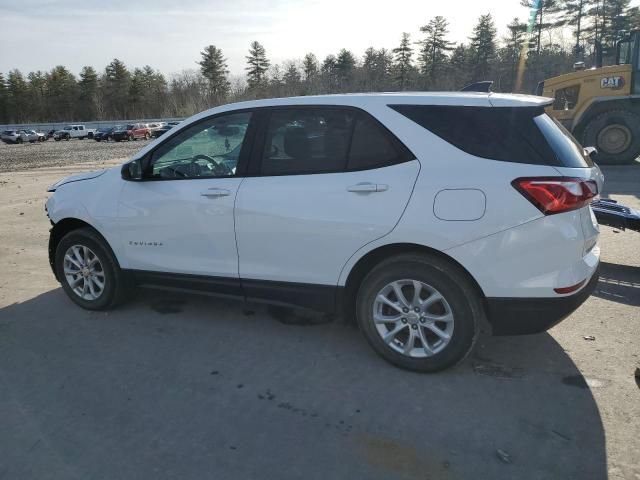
(624, 52)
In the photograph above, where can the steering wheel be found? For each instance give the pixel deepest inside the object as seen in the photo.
(219, 169)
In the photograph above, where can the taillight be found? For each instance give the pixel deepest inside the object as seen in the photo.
(556, 194)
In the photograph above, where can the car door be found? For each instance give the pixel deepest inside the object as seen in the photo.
(325, 182)
(179, 219)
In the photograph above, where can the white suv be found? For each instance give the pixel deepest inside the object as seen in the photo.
(421, 215)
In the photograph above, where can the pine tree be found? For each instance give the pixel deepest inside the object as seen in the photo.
(345, 66)
(511, 53)
(17, 97)
(329, 72)
(482, 48)
(38, 108)
(402, 56)
(213, 67)
(607, 20)
(310, 66)
(62, 92)
(459, 67)
(4, 113)
(376, 68)
(117, 81)
(88, 89)
(620, 20)
(258, 64)
(574, 13)
(544, 13)
(434, 48)
(291, 75)
(155, 91)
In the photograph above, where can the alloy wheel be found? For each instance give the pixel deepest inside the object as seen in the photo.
(413, 318)
(83, 272)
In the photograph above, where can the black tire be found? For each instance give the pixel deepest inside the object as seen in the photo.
(67, 138)
(623, 123)
(57, 139)
(19, 140)
(114, 281)
(147, 136)
(448, 279)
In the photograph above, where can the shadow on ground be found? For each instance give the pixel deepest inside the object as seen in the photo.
(619, 283)
(621, 179)
(191, 388)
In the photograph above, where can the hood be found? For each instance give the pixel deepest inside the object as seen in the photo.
(75, 178)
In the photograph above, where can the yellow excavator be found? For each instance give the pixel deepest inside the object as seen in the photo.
(601, 106)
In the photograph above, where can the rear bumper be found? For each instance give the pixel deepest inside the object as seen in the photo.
(524, 316)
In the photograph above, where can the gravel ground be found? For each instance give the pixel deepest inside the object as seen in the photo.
(180, 386)
(15, 158)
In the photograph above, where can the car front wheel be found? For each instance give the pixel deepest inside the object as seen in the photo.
(419, 312)
(87, 270)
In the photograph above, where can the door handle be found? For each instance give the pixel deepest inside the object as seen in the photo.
(216, 192)
(367, 187)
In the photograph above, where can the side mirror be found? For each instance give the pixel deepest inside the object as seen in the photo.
(132, 171)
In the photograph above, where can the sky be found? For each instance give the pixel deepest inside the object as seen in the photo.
(169, 34)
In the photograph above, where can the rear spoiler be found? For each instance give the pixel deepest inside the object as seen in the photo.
(483, 87)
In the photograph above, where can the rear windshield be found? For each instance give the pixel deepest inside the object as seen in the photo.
(508, 134)
(565, 146)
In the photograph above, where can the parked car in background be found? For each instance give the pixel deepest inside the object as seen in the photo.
(74, 131)
(50, 133)
(155, 126)
(34, 136)
(132, 131)
(421, 215)
(21, 136)
(121, 132)
(103, 134)
(158, 132)
(140, 130)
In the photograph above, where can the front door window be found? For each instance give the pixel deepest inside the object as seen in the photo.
(208, 149)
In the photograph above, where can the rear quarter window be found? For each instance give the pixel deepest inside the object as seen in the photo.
(509, 134)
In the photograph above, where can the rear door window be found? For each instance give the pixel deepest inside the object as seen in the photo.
(372, 146)
(314, 140)
(327, 139)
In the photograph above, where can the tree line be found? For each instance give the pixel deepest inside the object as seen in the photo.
(529, 52)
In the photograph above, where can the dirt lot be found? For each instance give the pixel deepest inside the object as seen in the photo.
(190, 387)
(51, 153)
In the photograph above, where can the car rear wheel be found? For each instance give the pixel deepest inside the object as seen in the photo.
(147, 136)
(87, 270)
(419, 312)
(19, 140)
